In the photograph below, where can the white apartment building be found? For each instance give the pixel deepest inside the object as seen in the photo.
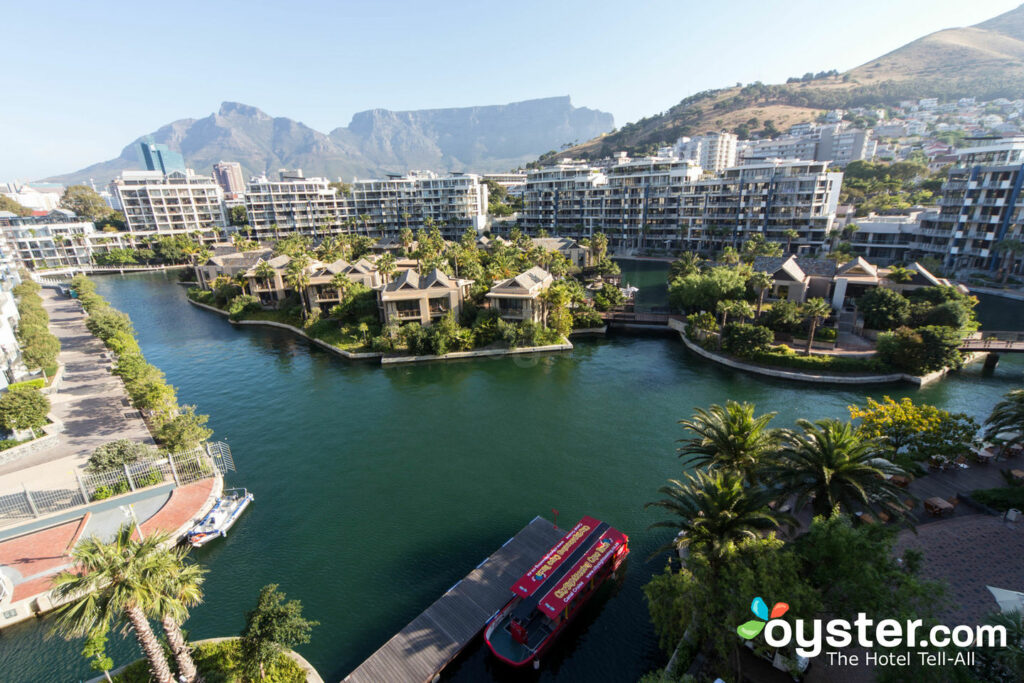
(177, 202)
(555, 197)
(58, 239)
(981, 205)
(714, 152)
(294, 204)
(228, 175)
(454, 203)
(836, 143)
(765, 198)
(41, 197)
(886, 239)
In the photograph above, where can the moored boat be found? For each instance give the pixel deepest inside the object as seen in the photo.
(554, 590)
(220, 518)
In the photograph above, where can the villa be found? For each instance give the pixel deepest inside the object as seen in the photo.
(413, 297)
(569, 248)
(269, 290)
(323, 294)
(230, 265)
(518, 298)
(799, 279)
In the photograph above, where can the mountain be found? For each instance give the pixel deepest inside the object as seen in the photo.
(984, 61)
(482, 139)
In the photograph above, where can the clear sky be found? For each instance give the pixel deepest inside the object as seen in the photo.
(83, 79)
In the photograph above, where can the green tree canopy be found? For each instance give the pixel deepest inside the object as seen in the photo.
(85, 201)
(184, 431)
(115, 454)
(23, 407)
(273, 626)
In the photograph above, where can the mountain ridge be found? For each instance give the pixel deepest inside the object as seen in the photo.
(486, 138)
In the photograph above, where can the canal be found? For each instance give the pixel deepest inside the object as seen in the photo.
(377, 488)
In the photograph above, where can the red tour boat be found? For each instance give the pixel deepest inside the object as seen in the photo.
(548, 596)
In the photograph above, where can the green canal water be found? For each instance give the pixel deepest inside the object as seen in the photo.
(378, 488)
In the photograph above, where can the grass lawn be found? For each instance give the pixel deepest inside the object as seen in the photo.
(220, 663)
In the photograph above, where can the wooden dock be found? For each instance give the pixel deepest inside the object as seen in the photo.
(430, 641)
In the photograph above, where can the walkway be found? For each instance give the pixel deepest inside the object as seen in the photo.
(431, 640)
(92, 403)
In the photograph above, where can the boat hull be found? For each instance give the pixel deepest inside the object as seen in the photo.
(219, 520)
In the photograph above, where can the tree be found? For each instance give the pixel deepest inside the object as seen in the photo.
(883, 308)
(730, 438)
(815, 311)
(703, 291)
(714, 510)
(608, 297)
(85, 201)
(180, 590)
(735, 308)
(922, 350)
(599, 246)
(95, 650)
(830, 464)
(23, 407)
(343, 283)
(39, 346)
(265, 272)
(899, 275)
(688, 263)
(237, 215)
(273, 626)
(1008, 248)
(8, 204)
(790, 234)
(386, 266)
(184, 431)
(922, 429)
(114, 581)
(296, 274)
(116, 454)
(761, 282)
(1006, 417)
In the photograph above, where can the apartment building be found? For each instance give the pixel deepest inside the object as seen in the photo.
(714, 152)
(294, 204)
(514, 183)
(981, 205)
(180, 201)
(228, 175)
(836, 143)
(454, 203)
(60, 238)
(886, 239)
(412, 297)
(35, 196)
(556, 197)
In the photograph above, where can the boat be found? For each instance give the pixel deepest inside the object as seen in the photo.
(554, 590)
(225, 513)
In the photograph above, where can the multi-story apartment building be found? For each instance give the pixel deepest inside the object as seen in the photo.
(714, 152)
(558, 197)
(981, 205)
(228, 175)
(294, 204)
(454, 203)
(766, 198)
(514, 183)
(172, 203)
(666, 202)
(57, 239)
(12, 369)
(885, 239)
(836, 143)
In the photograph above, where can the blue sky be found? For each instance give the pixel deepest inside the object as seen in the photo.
(84, 79)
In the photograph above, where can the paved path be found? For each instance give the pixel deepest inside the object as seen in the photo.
(92, 403)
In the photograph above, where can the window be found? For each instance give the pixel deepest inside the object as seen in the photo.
(511, 306)
(408, 309)
(439, 305)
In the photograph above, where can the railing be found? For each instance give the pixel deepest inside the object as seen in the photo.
(176, 469)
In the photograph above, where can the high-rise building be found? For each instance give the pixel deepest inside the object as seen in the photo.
(294, 203)
(57, 239)
(714, 152)
(180, 201)
(160, 158)
(981, 205)
(228, 175)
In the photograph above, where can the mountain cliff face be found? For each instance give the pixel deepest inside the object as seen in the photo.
(984, 61)
(481, 139)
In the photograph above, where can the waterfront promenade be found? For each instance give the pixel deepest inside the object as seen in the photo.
(92, 404)
(93, 408)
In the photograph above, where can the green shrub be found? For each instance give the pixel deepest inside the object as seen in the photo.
(242, 304)
(784, 316)
(6, 444)
(23, 408)
(37, 383)
(107, 322)
(102, 493)
(116, 454)
(922, 350)
(883, 309)
(586, 317)
(1001, 498)
(783, 356)
(743, 339)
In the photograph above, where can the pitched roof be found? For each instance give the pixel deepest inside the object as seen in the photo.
(555, 243)
(240, 259)
(525, 281)
(859, 263)
(280, 261)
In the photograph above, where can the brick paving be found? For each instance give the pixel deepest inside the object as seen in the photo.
(182, 507)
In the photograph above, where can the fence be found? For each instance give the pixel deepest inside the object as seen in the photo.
(176, 469)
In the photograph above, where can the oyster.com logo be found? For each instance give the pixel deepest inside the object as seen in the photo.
(752, 628)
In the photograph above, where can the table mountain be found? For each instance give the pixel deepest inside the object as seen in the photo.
(481, 139)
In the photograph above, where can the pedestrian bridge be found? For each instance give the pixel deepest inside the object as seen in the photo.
(53, 276)
(995, 342)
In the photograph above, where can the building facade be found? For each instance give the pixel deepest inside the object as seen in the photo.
(981, 206)
(294, 204)
(454, 203)
(57, 239)
(228, 175)
(161, 158)
(172, 203)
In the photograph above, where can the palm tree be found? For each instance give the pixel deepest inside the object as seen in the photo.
(899, 275)
(734, 307)
(265, 272)
(365, 218)
(1009, 248)
(118, 580)
(342, 283)
(761, 282)
(830, 464)
(816, 311)
(1008, 416)
(183, 589)
(297, 275)
(730, 438)
(407, 238)
(790, 234)
(386, 266)
(713, 511)
(688, 263)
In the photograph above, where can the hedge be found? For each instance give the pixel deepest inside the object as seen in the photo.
(1001, 498)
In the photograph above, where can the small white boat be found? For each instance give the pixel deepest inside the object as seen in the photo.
(222, 517)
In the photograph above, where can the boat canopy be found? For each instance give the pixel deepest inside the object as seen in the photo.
(576, 578)
(541, 571)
